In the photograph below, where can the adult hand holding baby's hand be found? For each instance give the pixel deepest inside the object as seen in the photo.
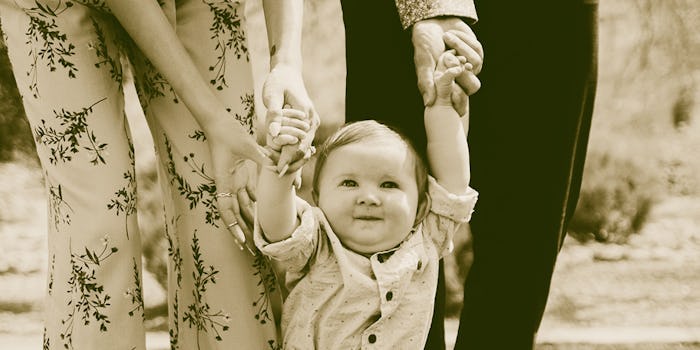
(284, 87)
(449, 67)
(289, 137)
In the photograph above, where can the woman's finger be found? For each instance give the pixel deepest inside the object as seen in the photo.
(301, 124)
(224, 202)
(245, 210)
(251, 185)
(294, 114)
(240, 227)
(292, 131)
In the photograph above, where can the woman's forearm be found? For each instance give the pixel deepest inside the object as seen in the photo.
(156, 38)
(283, 19)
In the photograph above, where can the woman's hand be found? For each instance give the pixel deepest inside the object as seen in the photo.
(234, 155)
(284, 89)
(286, 131)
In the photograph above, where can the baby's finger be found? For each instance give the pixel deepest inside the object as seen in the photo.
(442, 60)
(274, 128)
(452, 72)
(450, 60)
(285, 139)
(466, 45)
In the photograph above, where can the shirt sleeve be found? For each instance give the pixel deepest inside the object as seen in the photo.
(447, 212)
(295, 252)
(412, 11)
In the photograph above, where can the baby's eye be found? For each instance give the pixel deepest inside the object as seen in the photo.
(348, 183)
(389, 184)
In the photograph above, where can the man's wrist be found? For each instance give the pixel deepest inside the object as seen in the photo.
(412, 11)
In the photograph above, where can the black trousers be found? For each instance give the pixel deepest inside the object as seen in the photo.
(529, 131)
(529, 127)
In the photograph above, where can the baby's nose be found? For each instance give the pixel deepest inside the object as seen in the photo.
(368, 197)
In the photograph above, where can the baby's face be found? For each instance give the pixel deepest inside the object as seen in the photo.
(369, 194)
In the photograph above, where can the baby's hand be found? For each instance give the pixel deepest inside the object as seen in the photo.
(448, 68)
(289, 135)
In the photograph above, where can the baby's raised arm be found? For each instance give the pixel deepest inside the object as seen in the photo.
(276, 193)
(448, 152)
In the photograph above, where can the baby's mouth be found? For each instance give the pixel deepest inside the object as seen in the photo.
(367, 218)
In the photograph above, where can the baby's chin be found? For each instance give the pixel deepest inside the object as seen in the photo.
(368, 249)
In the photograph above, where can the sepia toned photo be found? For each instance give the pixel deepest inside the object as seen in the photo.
(350, 174)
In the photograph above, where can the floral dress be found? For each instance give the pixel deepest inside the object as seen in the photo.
(67, 59)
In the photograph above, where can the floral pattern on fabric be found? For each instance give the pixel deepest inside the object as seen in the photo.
(67, 58)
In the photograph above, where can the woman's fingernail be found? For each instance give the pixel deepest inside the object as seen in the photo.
(239, 234)
(284, 170)
(252, 252)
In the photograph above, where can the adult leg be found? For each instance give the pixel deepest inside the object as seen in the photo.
(529, 128)
(381, 84)
(67, 69)
(381, 78)
(219, 296)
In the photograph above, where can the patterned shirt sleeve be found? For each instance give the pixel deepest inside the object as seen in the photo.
(447, 212)
(295, 252)
(412, 11)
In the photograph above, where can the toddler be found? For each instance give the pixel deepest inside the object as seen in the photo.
(362, 266)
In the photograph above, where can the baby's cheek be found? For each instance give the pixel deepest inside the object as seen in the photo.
(406, 208)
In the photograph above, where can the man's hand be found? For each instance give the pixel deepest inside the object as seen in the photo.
(430, 37)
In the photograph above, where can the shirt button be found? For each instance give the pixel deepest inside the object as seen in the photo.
(372, 338)
(389, 296)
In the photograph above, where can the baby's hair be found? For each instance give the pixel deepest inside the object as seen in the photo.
(367, 130)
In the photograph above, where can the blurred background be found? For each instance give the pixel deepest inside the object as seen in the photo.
(628, 276)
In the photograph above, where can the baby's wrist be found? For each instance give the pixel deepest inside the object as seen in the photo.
(443, 101)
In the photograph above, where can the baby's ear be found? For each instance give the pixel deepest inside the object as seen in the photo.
(423, 209)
